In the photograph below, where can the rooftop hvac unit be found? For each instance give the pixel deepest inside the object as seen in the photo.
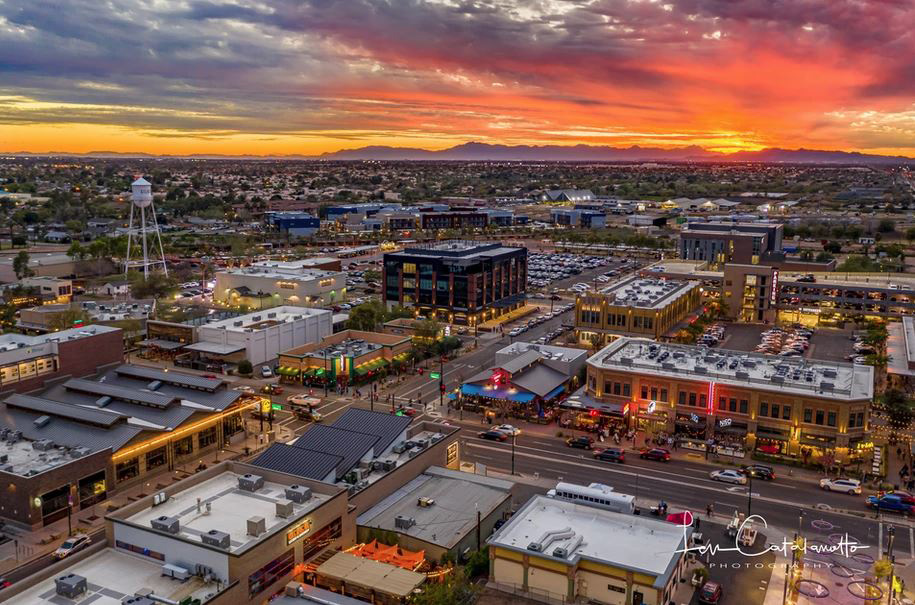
(256, 526)
(829, 373)
(4, 458)
(169, 525)
(237, 324)
(284, 508)
(256, 318)
(41, 421)
(70, 585)
(404, 522)
(436, 438)
(43, 445)
(742, 375)
(250, 483)
(778, 379)
(271, 315)
(827, 386)
(298, 493)
(425, 502)
(4, 433)
(79, 452)
(174, 571)
(155, 384)
(421, 443)
(667, 365)
(389, 465)
(103, 401)
(700, 370)
(400, 448)
(214, 537)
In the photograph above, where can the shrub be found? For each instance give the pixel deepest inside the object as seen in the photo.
(245, 367)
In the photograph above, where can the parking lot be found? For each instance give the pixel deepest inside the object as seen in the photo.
(826, 344)
(561, 271)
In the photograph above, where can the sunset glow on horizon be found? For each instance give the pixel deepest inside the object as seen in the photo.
(278, 77)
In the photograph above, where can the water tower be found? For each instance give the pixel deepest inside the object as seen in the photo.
(143, 231)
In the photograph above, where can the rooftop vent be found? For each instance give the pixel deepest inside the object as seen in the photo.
(250, 483)
(827, 386)
(169, 525)
(79, 452)
(155, 384)
(829, 373)
(214, 537)
(256, 526)
(43, 445)
(41, 421)
(425, 502)
(298, 493)
(284, 508)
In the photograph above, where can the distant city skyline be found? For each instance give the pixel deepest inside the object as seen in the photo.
(305, 77)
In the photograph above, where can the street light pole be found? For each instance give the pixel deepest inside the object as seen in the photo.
(749, 492)
(326, 375)
(441, 381)
(891, 532)
(513, 453)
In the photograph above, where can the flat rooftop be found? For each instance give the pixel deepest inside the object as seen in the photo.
(843, 381)
(266, 318)
(900, 347)
(351, 347)
(230, 509)
(631, 542)
(111, 576)
(304, 275)
(457, 248)
(11, 342)
(647, 292)
(687, 268)
(548, 351)
(296, 265)
(446, 521)
(22, 459)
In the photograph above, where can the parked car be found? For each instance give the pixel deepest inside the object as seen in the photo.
(611, 454)
(508, 430)
(493, 435)
(843, 485)
(729, 476)
(890, 502)
(710, 593)
(584, 443)
(272, 389)
(5, 583)
(655, 453)
(71, 545)
(266, 372)
(759, 471)
(245, 389)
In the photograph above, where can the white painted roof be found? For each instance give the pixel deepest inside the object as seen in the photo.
(833, 380)
(646, 292)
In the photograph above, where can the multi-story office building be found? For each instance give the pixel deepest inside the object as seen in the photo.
(795, 407)
(720, 243)
(757, 293)
(639, 306)
(454, 219)
(300, 224)
(53, 289)
(461, 282)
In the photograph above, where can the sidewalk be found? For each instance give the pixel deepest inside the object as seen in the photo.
(472, 419)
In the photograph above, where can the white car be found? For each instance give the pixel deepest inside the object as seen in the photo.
(245, 389)
(845, 486)
(71, 545)
(266, 372)
(508, 429)
(729, 476)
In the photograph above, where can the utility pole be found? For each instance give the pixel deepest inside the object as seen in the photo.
(891, 532)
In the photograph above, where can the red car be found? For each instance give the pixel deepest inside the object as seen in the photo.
(710, 593)
(655, 453)
(211, 376)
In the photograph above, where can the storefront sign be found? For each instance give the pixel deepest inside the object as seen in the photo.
(773, 293)
(298, 531)
(724, 422)
(694, 418)
(652, 405)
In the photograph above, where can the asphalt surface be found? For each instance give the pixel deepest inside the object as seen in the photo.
(39, 563)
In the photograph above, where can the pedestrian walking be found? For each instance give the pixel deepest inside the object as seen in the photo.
(709, 510)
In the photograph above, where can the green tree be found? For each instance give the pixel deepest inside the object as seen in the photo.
(367, 316)
(427, 332)
(245, 367)
(898, 407)
(371, 275)
(157, 285)
(886, 226)
(455, 590)
(77, 251)
(21, 265)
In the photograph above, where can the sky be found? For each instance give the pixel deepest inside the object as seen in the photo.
(272, 77)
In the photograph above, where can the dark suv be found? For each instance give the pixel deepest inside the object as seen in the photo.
(611, 454)
(759, 471)
(584, 443)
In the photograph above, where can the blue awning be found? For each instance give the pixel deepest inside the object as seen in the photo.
(473, 389)
(555, 392)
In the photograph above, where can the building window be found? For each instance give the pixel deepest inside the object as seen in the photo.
(617, 388)
(744, 406)
(763, 409)
(140, 550)
(645, 393)
(206, 437)
(722, 403)
(409, 268)
(831, 419)
(664, 395)
(156, 457)
(184, 446)
(627, 389)
(786, 412)
(321, 539)
(732, 405)
(692, 399)
(681, 398)
(703, 400)
(819, 417)
(808, 415)
(654, 393)
(608, 386)
(775, 410)
(270, 573)
(128, 469)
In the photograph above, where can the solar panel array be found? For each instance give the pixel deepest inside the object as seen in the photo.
(118, 392)
(173, 378)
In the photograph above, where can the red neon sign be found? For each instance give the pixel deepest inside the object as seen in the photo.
(710, 404)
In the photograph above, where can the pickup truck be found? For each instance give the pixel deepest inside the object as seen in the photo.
(891, 502)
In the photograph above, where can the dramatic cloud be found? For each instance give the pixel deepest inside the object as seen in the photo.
(304, 76)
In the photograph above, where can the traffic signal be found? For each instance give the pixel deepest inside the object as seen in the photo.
(593, 413)
(441, 388)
